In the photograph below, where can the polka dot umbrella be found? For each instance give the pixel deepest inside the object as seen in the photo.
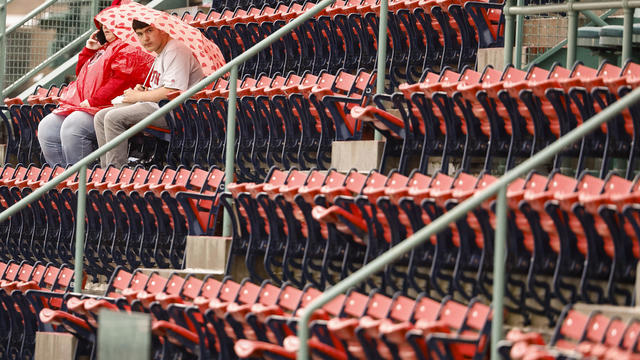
(118, 20)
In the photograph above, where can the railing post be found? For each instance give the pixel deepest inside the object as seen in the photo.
(508, 34)
(627, 33)
(382, 52)
(519, 35)
(572, 34)
(499, 271)
(229, 167)
(3, 42)
(81, 207)
(95, 6)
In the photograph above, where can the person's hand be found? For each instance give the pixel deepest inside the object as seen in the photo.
(92, 43)
(85, 104)
(131, 96)
(140, 87)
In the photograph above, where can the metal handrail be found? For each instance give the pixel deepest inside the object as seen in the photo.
(35, 12)
(457, 212)
(81, 166)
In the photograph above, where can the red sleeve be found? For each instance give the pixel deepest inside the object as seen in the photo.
(83, 57)
(124, 69)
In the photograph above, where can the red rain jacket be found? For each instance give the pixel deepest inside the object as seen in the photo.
(104, 74)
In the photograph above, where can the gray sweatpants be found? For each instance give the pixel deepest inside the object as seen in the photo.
(113, 121)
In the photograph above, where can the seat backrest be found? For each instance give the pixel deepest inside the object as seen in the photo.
(355, 181)
(572, 327)
(477, 317)
(65, 276)
(590, 185)
(248, 293)
(127, 174)
(609, 71)
(582, 71)
(210, 288)
(277, 177)
(597, 328)
(111, 175)
(269, 294)
(453, 314)
(631, 334)
(120, 279)
(441, 181)
(537, 74)
(616, 185)
(155, 284)
(491, 76)
(289, 298)
(354, 305)
(419, 181)
(559, 183)
(426, 309)
(174, 285)
(11, 272)
(191, 288)
(197, 179)
(401, 309)
(152, 177)
(25, 272)
(228, 291)
(379, 305)
(375, 180)
(614, 333)
(50, 277)
(536, 183)
(464, 181)
(333, 180)
(38, 272)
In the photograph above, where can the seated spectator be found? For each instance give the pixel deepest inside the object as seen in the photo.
(106, 67)
(175, 68)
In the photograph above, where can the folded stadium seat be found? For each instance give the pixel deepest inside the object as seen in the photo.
(322, 343)
(546, 239)
(620, 131)
(497, 112)
(541, 114)
(184, 327)
(360, 332)
(609, 240)
(451, 330)
(616, 142)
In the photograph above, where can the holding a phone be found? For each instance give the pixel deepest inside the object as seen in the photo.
(99, 38)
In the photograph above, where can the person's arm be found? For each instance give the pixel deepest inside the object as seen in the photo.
(139, 94)
(83, 57)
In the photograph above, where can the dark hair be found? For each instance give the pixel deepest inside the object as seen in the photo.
(136, 25)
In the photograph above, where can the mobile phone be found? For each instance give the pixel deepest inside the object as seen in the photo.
(100, 37)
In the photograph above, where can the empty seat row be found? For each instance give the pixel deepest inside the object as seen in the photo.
(22, 123)
(422, 35)
(511, 114)
(281, 121)
(134, 217)
(25, 289)
(569, 239)
(577, 335)
(210, 318)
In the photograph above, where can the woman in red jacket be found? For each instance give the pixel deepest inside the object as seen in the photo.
(105, 69)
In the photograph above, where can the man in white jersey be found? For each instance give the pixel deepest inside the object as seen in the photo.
(175, 68)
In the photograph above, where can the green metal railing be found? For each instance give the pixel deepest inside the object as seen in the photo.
(442, 223)
(573, 9)
(81, 166)
(54, 28)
